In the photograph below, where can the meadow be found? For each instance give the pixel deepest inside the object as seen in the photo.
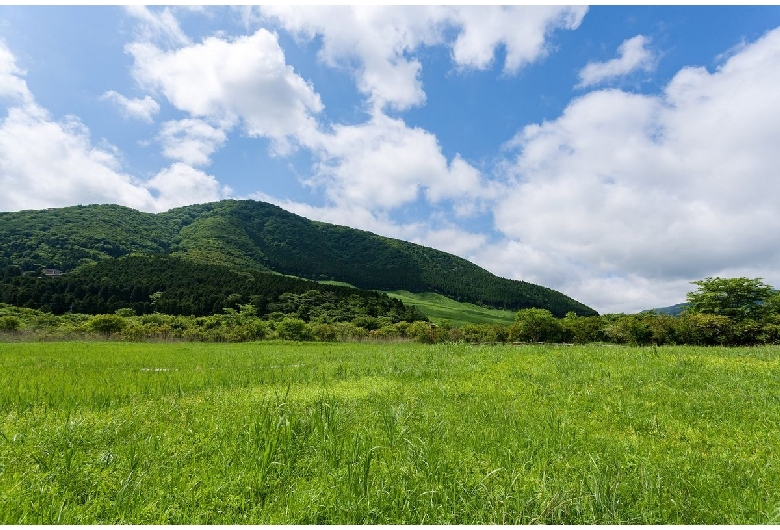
(440, 309)
(282, 432)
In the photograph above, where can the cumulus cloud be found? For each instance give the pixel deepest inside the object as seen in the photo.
(383, 164)
(12, 86)
(44, 163)
(230, 81)
(652, 190)
(180, 185)
(378, 42)
(48, 163)
(377, 38)
(159, 25)
(142, 109)
(244, 81)
(523, 30)
(191, 141)
(453, 240)
(633, 56)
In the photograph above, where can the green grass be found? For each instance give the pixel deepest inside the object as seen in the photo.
(439, 308)
(334, 282)
(387, 433)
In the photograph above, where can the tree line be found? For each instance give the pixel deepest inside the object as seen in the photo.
(721, 312)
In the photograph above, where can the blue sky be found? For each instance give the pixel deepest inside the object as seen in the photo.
(614, 153)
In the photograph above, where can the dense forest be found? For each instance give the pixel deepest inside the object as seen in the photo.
(174, 286)
(251, 236)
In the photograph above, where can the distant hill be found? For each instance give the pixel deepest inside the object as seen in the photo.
(256, 236)
(673, 310)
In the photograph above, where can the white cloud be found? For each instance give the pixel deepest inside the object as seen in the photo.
(379, 42)
(377, 38)
(12, 85)
(191, 141)
(143, 109)
(652, 191)
(158, 26)
(243, 80)
(180, 185)
(523, 30)
(633, 56)
(46, 163)
(383, 163)
(453, 240)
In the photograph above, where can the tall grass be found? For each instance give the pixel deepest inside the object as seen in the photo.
(387, 433)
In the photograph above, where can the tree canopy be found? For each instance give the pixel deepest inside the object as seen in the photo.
(736, 298)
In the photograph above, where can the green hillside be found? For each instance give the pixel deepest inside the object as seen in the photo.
(256, 236)
(439, 309)
(65, 238)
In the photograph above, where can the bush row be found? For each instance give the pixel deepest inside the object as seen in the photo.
(530, 326)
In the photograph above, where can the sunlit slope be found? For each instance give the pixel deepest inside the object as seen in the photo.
(441, 309)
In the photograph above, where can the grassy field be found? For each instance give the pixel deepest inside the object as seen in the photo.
(387, 433)
(439, 308)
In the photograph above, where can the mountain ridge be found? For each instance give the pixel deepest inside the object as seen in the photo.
(258, 236)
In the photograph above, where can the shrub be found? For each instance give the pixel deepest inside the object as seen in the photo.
(107, 324)
(348, 331)
(536, 325)
(293, 329)
(582, 330)
(9, 324)
(704, 330)
(324, 332)
(421, 332)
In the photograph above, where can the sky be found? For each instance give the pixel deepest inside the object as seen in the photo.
(613, 153)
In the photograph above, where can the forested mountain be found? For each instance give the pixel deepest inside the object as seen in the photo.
(254, 236)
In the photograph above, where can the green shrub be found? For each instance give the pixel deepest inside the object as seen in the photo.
(107, 324)
(324, 332)
(10, 324)
(293, 329)
(421, 332)
(536, 325)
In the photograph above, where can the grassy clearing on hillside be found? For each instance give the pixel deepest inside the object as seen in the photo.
(334, 282)
(439, 308)
(387, 433)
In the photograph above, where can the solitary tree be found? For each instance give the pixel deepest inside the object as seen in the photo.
(536, 325)
(736, 298)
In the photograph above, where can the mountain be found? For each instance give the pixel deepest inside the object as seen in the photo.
(673, 310)
(253, 236)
